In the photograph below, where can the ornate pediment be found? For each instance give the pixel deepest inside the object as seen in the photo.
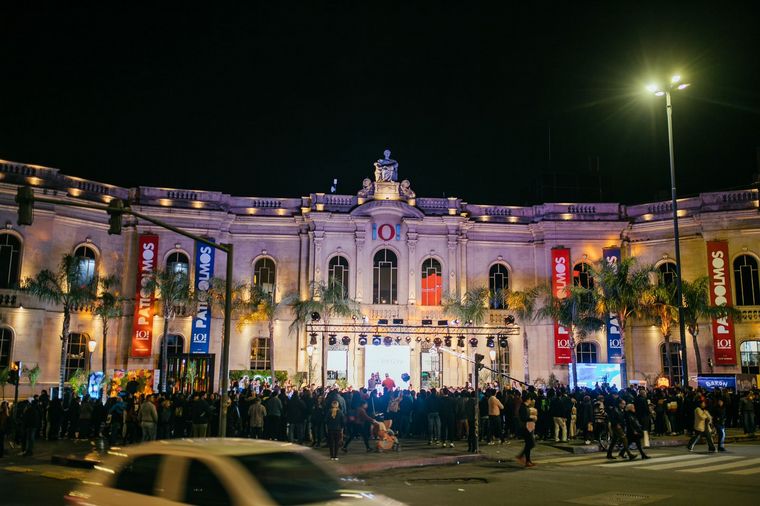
(386, 185)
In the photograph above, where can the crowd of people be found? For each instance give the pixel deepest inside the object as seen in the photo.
(443, 417)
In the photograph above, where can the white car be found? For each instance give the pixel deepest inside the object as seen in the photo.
(223, 471)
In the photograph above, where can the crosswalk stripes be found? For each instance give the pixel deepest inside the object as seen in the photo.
(694, 463)
(721, 467)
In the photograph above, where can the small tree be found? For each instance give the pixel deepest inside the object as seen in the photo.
(4, 376)
(174, 295)
(328, 300)
(108, 307)
(577, 311)
(33, 374)
(661, 306)
(263, 307)
(523, 303)
(472, 308)
(78, 380)
(191, 373)
(697, 307)
(70, 287)
(620, 288)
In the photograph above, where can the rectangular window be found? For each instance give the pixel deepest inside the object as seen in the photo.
(260, 354)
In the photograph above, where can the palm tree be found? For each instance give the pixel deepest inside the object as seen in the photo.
(328, 300)
(107, 307)
(697, 307)
(523, 304)
(661, 306)
(174, 294)
(472, 308)
(578, 311)
(70, 287)
(620, 288)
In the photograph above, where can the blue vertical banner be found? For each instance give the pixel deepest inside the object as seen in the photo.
(204, 272)
(614, 351)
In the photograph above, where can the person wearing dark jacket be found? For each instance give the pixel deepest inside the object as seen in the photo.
(296, 418)
(527, 415)
(31, 420)
(334, 422)
(718, 413)
(318, 420)
(362, 423)
(200, 412)
(617, 422)
(471, 410)
(447, 413)
(634, 431)
(432, 407)
(586, 418)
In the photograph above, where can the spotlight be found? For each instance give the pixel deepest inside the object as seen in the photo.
(447, 341)
(362, 339)
(345, 340)
(419, 339)
(456, 322)
(509, 320)
(313, 338)
(408, 339)
(332, 339)
(473, 341)
(427, 322)
(427, 339)
(437, 341)
(443, 323)
(398, 340)
(387, 340)
(315, 316)
(376, 340)
(460, 342)
(503, 342)
(489, 342)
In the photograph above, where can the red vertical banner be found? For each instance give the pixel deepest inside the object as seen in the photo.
(561, 270)
(142, 331)
(719, 275)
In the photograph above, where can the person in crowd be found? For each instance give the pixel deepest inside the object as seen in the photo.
(432, 407)
(334, 422)
(747, 413)
(557, 412)
(617, 426)
(718, 413)
(586, 419)
(634, 431)
(447, 414)
(116, 417)
(388, 384)
(471, 409)
(31, 420)
(164, 419)
(201, 414)
(296, 418)
(362, 423)
(318, 420)
(5, 425)
(702, 421)
(85, 418)
(528, 416)
(147, 415)
(494, 418)
(256, 415)
(273, 405)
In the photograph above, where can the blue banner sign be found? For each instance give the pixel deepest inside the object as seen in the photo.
(712, 382)
(204, 272)
(614, 350)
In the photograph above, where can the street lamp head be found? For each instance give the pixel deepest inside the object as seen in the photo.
(91, 344)
(659, 93)
(683, 86)
(675, 79)
(653, 88)
(492, 354)
(310, 350)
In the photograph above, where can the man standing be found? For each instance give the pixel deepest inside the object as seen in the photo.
(747, 412)
(617, 423)
(148, 417)
(494, 417)
(31, 420)
(201, 413)
(557, 412)
(388, 384)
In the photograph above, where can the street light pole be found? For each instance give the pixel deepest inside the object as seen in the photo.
(675, 84)
(679, 284)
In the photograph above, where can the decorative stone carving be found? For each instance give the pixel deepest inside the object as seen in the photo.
(406, 190)
(386, 169)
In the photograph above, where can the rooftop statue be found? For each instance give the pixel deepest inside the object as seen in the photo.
(386, 169)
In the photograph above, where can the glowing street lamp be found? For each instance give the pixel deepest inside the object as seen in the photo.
(91, 345)
(675, 84)
(309, 352)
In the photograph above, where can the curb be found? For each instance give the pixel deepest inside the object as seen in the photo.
(443, 460)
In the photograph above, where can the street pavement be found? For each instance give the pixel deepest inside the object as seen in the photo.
(429, 475)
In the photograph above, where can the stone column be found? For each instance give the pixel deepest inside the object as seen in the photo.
(451, 265)
(411, 244)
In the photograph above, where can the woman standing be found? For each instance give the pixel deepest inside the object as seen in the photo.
(528, 416)
(335, 422)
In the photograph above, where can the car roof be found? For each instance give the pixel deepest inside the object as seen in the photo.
(214, 446)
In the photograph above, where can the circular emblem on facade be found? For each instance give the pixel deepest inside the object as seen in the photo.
(386, 232)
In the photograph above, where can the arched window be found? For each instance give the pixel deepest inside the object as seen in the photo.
(668, 273)
(586, 353)
(338, 273)
(750, 357)
(432, 283)
(582, 275)
(86, 258)
(675, 362)
(175, 344)
(178, 262)
(6, 341)
(498, 281)
(385, 278)
(260, 354)
(264, 275)
(746, 281)
(76, 354)
(10, 260)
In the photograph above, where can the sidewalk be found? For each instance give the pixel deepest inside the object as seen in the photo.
(83, 454)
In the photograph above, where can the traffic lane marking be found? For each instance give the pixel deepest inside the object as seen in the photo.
(720, 467)
(695, 462)
(632, 463)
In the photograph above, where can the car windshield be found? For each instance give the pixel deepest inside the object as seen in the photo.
(290, 478)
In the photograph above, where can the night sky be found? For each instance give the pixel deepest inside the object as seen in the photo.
(490, 103)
